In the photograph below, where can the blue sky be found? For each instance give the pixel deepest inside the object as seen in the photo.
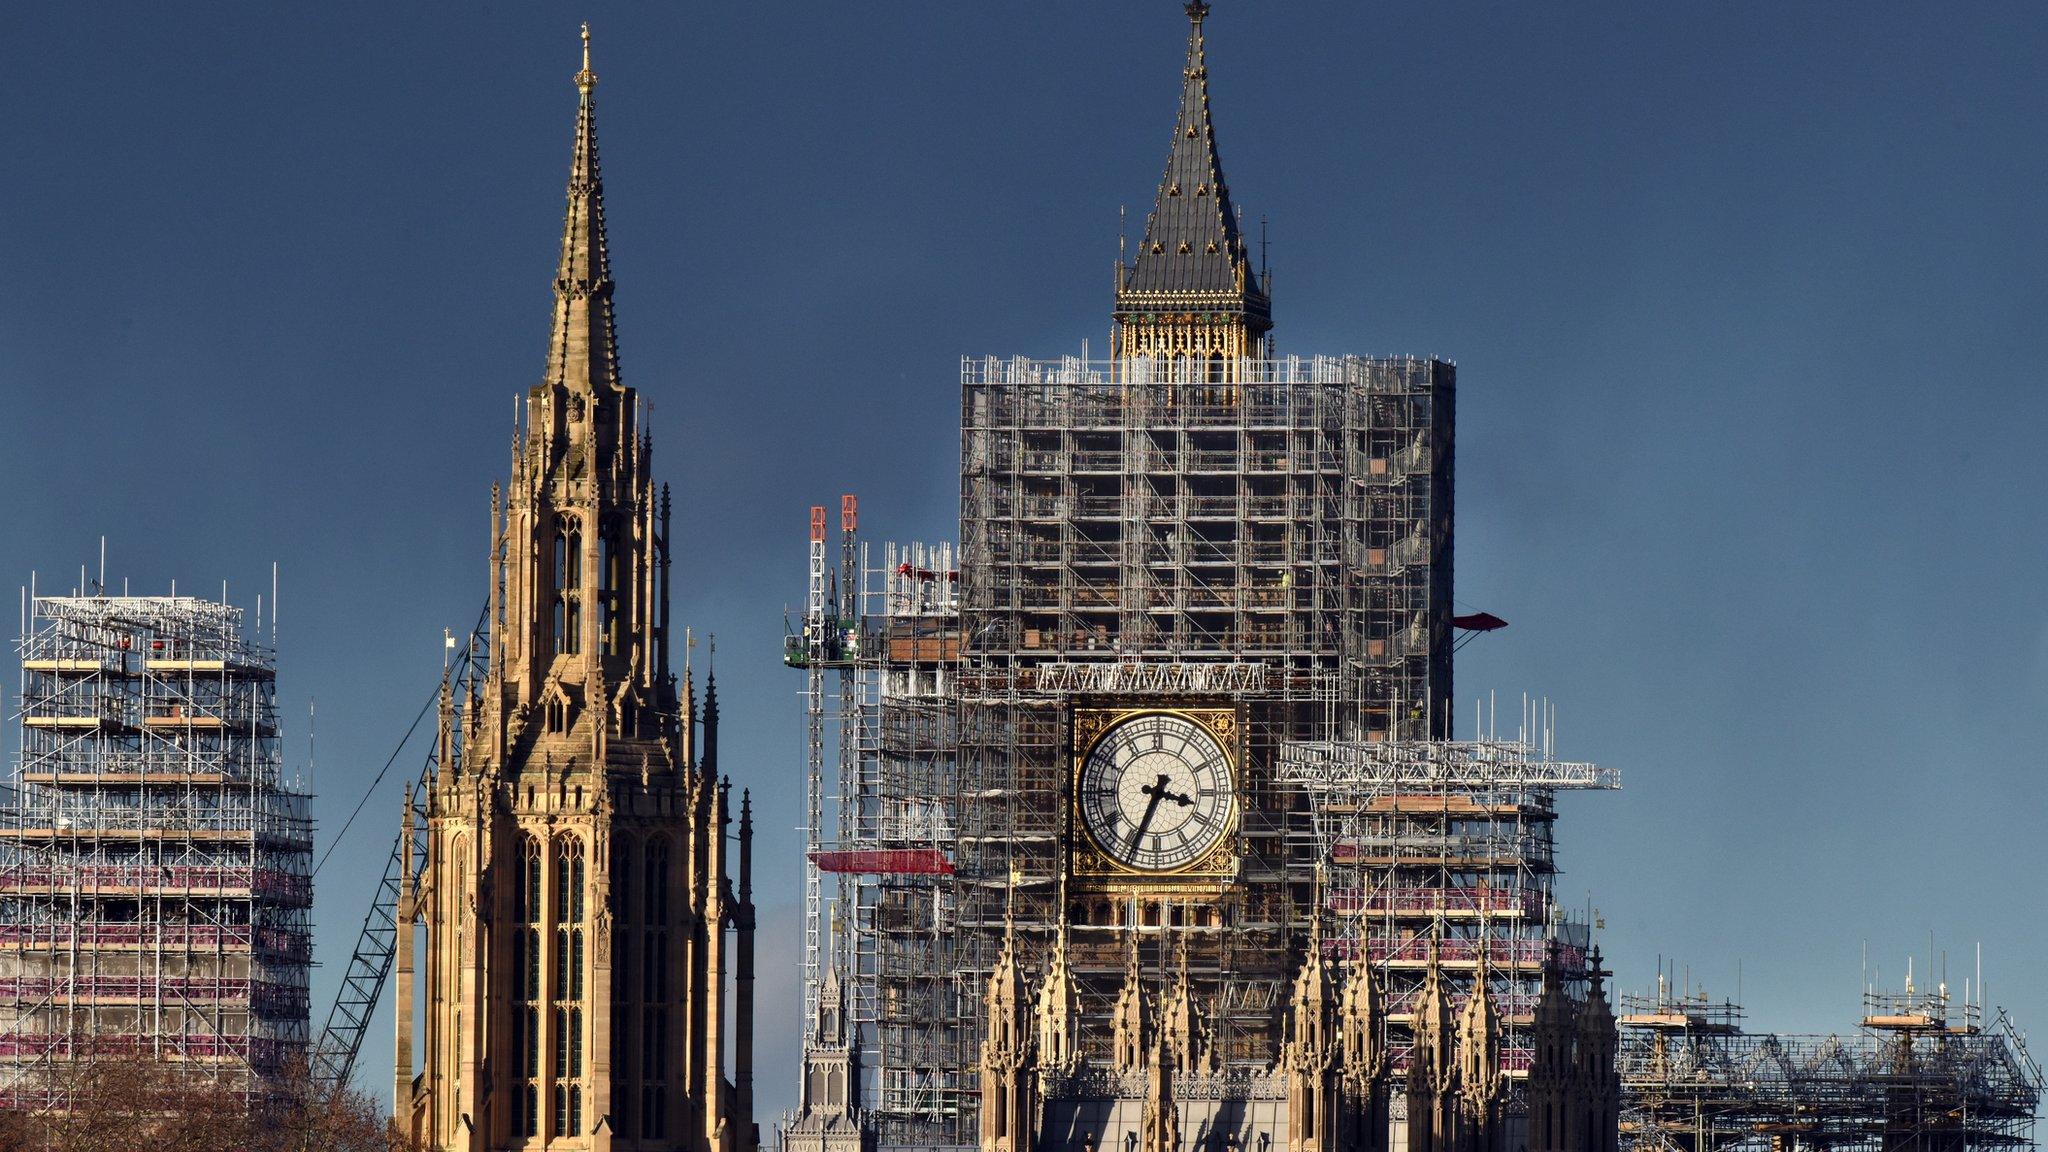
(1746, 301)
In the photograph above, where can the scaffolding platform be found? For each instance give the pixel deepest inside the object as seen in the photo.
(155, 865)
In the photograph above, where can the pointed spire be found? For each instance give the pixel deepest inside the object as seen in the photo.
(710, 752)
(583, 353)
(1359, 1020)
(1479, 1036)
(1193, 246)
(1132, 1031)
(1058, 1006)
(1178, 1029)
(830, 1024)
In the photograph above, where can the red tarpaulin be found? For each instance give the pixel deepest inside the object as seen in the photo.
(900, 861)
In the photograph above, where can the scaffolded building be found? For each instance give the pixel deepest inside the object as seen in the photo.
(1194, 523)
(1444, 851)
(1922, 1073)
(1279, 544)
(155, 863)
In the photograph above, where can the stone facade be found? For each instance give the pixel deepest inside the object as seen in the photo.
(1325, 1089)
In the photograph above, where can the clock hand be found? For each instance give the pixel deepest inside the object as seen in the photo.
(1157, 792)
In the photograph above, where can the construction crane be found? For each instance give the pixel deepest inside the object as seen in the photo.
(369, 967)
(830, 640)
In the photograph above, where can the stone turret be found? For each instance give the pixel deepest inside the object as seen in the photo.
(1309, 1055)
(1009, 1096)
(1058, 1011)
(1432, 1064)
(1362, 1058)
(1596, 1082)
(1480, 1082)
(1131, 1037)
(572, 980)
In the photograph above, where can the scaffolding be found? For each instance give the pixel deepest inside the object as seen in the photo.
(886, 624)
(1447, 847)
(1920, 1074)
(155, 866)
(1279, 544)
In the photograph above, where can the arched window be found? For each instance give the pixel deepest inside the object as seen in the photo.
(568, 586)
(657, 882)
(528, 894)
(530, 900)
(654, 935)
(569, 881)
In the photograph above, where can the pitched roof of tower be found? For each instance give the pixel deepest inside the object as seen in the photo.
(583, 350)
(1192, 241)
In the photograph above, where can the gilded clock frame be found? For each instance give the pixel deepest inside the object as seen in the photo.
(1087, 860)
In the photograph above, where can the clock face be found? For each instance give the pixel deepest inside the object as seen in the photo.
(1156, 792)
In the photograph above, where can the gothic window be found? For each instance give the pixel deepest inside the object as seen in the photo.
(654, 934)
(653, 1112)
(526, 981)
(622, 876)
(568, 586)
(569, 881)
(529, 886)
(653, 1072)
(657, 883)
(654, 1045)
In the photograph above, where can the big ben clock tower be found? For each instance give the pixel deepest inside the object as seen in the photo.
(1174, 561)
(1153, 835)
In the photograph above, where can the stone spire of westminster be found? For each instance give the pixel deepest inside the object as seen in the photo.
(1191, 298)
(576, 891)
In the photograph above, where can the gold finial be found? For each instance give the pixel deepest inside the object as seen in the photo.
(1197, 9)
(586, 79)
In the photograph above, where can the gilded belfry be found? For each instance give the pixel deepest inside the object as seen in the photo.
(578, 888)
(1191, 298)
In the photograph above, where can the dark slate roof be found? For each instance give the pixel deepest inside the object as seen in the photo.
(1192, 243)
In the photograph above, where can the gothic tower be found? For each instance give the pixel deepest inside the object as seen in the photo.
(828, 1117)
(576, 892)
(1310, 1055)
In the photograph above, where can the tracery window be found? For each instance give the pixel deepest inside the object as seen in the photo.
(654, 990)
(526, 983)
(566, 1070)
(568, 620)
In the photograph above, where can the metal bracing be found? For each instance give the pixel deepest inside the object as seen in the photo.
(1353, 770)
(155, 863)
(1279, 543)
(1921, 1073)
(369, 965)
(818, 650)
(1446, 847)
